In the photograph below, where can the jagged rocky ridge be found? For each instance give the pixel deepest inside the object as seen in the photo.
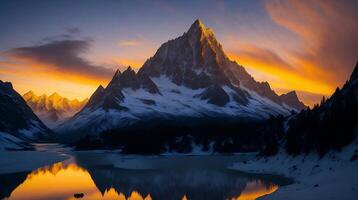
(189, 77)
(53, 109)
(17, 119)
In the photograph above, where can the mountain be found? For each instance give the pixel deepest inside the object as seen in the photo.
(53, 109)
(197, 60)
(330, 125)
(189, 81)
(292, 100)
(17, 119)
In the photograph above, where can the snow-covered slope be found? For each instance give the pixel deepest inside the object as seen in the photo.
(332, 177)
(10, 142)
(53, 109)
(16, 118)
(190, 76)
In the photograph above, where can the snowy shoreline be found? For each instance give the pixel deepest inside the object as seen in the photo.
(333, 177)
(21, 161)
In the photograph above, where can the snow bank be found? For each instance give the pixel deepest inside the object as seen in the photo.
(333, 177)
(21, 161)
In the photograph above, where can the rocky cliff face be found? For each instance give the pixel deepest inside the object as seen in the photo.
(197, 60)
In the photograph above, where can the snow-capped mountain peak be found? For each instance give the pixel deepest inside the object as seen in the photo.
(53, 109)
(189, 76)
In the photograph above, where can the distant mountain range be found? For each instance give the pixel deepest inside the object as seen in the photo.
(17, 121)
(53, 109)
(188, 78)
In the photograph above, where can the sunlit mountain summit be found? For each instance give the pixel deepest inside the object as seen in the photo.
(53, 109)
(189, 77)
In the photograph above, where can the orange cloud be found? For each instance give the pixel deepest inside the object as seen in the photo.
(323, 57)
(43, 80)
(328, 30)
(267, 65)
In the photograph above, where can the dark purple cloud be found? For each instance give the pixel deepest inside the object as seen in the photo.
(64, 56)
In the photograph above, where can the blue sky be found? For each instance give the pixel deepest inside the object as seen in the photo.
(107, 23)
(291, 44)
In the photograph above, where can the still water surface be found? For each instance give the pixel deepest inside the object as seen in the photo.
(108, 175)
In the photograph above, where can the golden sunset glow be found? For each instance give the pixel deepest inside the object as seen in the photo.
(283, 80)
(178, 99)
(287, 43)
(134, 63)
(254, 190)
(58, 181)
(42, 81)
(62, 181)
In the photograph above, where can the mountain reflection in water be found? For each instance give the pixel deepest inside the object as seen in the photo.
(106, 182)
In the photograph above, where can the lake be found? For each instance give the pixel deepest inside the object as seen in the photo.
(110, 175)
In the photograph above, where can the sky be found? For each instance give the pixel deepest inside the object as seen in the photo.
(71, 47)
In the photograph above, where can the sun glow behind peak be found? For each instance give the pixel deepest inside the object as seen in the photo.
(289, 44)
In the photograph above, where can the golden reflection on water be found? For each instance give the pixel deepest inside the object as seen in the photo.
(256, 189)
(62, 181)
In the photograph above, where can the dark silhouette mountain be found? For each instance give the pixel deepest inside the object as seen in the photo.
(188, 80)
(17, 118)
(330, 125)
(354, 76)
